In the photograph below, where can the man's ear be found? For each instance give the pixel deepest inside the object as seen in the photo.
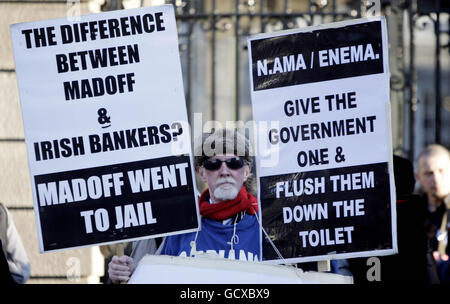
(417, 177)
(247, 170)
(201, 172)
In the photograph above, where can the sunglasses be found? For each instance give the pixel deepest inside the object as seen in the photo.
(214, 164)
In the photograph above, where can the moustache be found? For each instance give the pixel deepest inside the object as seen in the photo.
(225, 180)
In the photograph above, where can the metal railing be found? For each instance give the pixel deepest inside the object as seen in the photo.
(208, 26)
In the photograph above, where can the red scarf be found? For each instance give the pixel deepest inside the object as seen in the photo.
(226, 209)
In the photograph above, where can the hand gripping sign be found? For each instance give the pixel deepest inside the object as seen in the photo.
(102, 103)
(325, 92)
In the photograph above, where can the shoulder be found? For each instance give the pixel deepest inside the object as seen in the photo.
(175, 244)
(4, 215)
(249, 221)
(178, 238)
(3, 209)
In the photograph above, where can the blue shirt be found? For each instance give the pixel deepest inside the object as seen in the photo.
(215, 237)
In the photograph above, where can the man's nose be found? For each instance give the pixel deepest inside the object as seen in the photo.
(434, 178)
(224, 170)
(433, 181)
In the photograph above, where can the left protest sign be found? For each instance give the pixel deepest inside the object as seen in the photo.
(106, 127)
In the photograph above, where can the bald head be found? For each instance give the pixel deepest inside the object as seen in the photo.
(433, 172)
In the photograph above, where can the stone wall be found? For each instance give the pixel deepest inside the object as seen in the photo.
(70, 266)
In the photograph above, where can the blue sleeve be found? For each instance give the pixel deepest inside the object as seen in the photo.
(168, 246)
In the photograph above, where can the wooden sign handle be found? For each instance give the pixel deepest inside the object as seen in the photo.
(323, 266)
(120, 249)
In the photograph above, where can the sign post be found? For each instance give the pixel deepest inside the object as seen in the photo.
(106, 127)
(325, 93)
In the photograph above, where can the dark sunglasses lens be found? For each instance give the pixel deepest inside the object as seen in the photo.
(215, 164)
(212, 164)
(235, 163)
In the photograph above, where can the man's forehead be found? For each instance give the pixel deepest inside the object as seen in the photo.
(435, 161)
(223, 156)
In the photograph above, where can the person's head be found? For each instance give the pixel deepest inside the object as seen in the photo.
(433, 172)
(223, 161)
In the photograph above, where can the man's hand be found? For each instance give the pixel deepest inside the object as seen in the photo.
(120, 269)
(440, 257)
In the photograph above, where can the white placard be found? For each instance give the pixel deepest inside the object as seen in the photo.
(154, 269)
(106, 127)
(324, 93)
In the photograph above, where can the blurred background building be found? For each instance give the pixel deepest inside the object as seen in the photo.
(213, 49)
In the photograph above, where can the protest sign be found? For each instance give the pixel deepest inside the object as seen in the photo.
(162, 269)
(106, 127)
(324, 93)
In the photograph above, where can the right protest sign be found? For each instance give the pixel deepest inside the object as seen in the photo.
(327, 191)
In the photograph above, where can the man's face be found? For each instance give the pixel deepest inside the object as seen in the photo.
(224, 183)
(434, 175)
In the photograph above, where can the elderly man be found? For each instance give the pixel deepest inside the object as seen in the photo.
(434, 176)
(229, 227)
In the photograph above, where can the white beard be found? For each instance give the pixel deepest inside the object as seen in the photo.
(225, 192)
